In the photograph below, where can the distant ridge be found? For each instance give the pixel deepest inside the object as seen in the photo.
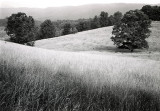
(70, 12)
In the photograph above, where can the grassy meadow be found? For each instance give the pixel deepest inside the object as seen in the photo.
(35, 79)
(98, 41)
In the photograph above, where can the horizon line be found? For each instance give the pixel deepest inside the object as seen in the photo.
(82, 5)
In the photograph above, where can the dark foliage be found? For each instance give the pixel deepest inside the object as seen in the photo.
(132, 31)
(83, 26)
(111, 20)
(20, 28)
(104, 19)
(47, 30)
(66, 29)
(153, 12)
(29, 43)
(117, 17)
(95, 23)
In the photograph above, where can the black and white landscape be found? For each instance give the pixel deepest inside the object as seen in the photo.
(96, 57)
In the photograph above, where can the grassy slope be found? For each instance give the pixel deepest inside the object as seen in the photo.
(79, 78)
(39, 79)
(83, 41)
(98, 41)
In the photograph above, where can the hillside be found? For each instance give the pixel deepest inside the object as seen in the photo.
(70, 12)
(82, 41)
(98, 41)
(39, 79)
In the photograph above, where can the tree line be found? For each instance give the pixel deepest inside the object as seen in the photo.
(22, 28)
(129, 32)
(153, 12)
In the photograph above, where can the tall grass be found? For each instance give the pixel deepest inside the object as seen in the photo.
(33, 79)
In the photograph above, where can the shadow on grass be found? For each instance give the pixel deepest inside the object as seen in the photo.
(116, 50)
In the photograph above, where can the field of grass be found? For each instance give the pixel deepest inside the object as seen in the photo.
(35, 79)
(98, 42)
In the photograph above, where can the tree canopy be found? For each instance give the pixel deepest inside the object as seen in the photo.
(104, 19)
(117, 17)
(47, 30)
(153, 12)
(20, 28)
(95, 23)
(66, 29)
(132, 31)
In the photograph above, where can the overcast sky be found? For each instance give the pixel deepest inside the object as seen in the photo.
(57, 3)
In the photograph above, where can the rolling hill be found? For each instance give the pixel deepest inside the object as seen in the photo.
(82, 71)
(98, 41)
(39, 79)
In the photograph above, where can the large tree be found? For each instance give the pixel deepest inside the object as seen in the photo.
(20, 28)
(47, 30)
(132, 31)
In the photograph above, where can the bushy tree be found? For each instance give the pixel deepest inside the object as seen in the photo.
(83, 26)
(66, 29)
(117, 17)
(20, 28)
(111, 20)
(153, 12)
(147, 9)
(47, 30)
(95, 23)
(132, 31)
(104, 19)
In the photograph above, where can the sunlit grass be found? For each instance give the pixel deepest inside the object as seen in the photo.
(38, 79)
(98, 41)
